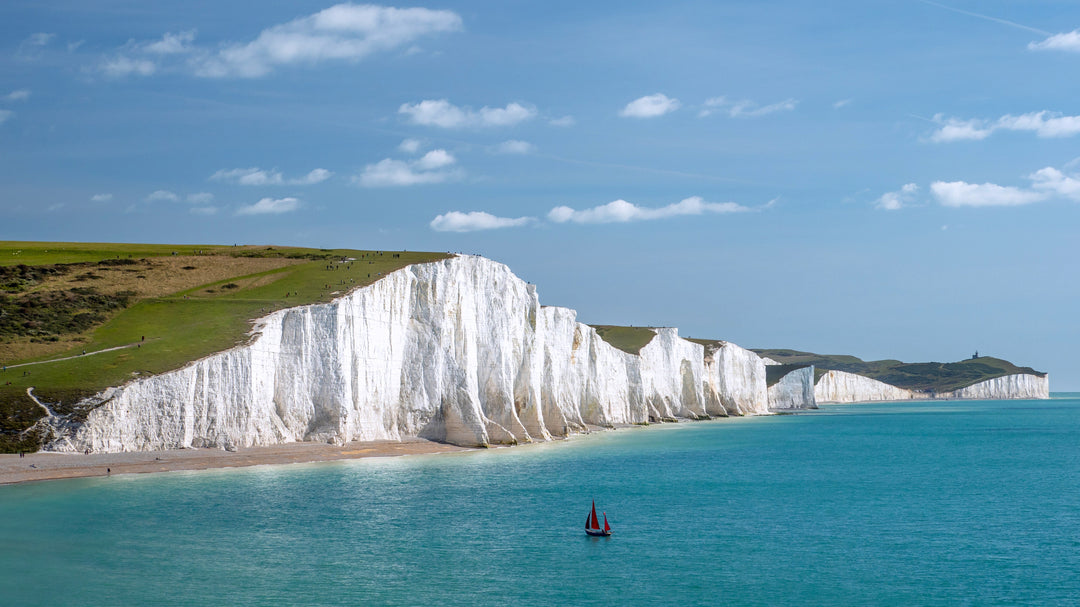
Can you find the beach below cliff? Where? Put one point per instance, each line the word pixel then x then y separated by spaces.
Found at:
pixel 54 466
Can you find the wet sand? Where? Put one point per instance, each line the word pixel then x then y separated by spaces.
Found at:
pixel 52 466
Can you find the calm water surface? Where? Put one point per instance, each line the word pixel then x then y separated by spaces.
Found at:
pixel 972 503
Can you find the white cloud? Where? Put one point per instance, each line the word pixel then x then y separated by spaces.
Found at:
pixel 442 113
pixel 1053 181
pixel 143 58
pixel 963 194
pixel 204 210
pixel 425 170
pixel 1044 124
pixel 564 121
pixel 650 106
pixel 955 129
pixel 315 176
pixel 621 211
pixel 259 177
pixel 891 201
pixel 162 196
pixel 435 159
pixel 1046 183
pixel 122 65
pixel 5 115
pixel 252 176
pixel 202 198
pixel 745 108
pixel 456 221
pixel 31 48
pixel 172 44
pixel 101 197
pixel 39 39
pixel 389 172
pixel 514 146
pixel 270 206
pixel 410 146
pixel 752 110
pixel 344 32
pixel 1069 41
pixel 19 95
pixel 841 103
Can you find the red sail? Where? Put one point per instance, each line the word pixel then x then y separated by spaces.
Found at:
pixel 606 526
pixel 593 523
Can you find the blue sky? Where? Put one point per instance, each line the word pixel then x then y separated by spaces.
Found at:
pixel 893 179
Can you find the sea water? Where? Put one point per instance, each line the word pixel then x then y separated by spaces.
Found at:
pixel 943 503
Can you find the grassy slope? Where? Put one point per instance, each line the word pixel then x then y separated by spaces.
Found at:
pixel 774 373
pixel 627 339
pixel 710 344
pixel 937 377
pixel 180 327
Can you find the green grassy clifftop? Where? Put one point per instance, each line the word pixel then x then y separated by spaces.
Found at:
pixel 628 339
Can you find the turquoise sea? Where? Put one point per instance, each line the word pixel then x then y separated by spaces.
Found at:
pixel 954 503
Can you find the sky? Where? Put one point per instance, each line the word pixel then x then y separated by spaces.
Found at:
pixel 889 179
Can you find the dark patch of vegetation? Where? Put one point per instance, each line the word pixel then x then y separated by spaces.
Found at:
pixel 57 313
pixel 18 414
pixel 231 285
pixel 15 279
pixel 117 262
pixel 188 268
pixel 271 252
pixel 932 377
pixel 628 339
pixel 28 441
pixel 774 373
pixel 65 402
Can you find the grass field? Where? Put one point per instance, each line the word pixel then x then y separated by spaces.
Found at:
pixel 628 339
pixel 194 300
pixel 774 373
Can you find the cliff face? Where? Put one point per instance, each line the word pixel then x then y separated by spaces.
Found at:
pixel 794 391
pixel 734 381
pixel 1010 386
pixel 457 351
pixel 841 387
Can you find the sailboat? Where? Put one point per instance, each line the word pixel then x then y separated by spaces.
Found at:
pixel 592 525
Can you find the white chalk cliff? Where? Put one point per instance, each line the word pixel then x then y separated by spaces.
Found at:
pixel 734 381
pixel 795 390
pixel 841 387
pixel 458 351
pixel 1020 385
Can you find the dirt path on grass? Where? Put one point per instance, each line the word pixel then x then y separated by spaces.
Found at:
pixel 84 355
